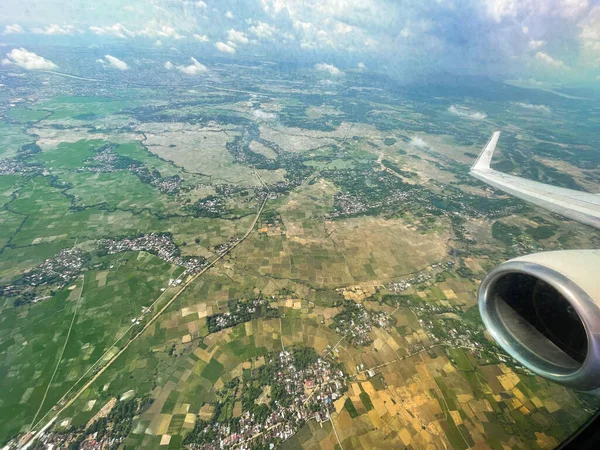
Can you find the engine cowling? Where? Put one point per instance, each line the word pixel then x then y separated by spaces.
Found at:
pixel 544 310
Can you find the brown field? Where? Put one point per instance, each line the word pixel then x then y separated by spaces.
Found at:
pixel 203 151
pixel 339 253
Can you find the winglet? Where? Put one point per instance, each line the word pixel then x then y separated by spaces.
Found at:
pixel 485 158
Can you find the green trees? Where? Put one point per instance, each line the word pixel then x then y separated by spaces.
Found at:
pixel 280 396
pixel 303 357
pixel 203 433
pixel 241 311
pixel 113 428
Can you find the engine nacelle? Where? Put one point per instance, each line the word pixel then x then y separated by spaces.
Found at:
pixel 544 310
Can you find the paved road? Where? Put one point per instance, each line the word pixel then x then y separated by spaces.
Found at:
pixel 25 445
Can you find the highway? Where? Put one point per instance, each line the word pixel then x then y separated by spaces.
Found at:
pixel 28 439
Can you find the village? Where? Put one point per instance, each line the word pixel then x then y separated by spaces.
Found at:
pixel 56 273
pixel 14 167
pixel 161 245
pixel 63 268
pixel 107 161
pixel 355 322
pixel 349 205
pixel 241 311
pixel 295 385
pixel 419 277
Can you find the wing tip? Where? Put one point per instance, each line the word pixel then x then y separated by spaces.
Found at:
pixel 484 159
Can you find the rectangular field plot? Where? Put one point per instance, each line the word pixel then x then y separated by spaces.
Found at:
pixel 32 337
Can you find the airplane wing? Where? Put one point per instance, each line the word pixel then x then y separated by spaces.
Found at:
pixel 582 207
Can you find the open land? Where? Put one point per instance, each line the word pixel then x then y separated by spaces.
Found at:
pixel 164 258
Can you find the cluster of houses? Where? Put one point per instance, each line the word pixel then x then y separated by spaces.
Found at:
pixel 418 277
pixel 61 269
pixel 356 323
pixel 448 332
pixel 241 311
pixel 13 166
pixel 168 185
pixel 57 441
pixel 161 245
pixel 66 265
pixel 224 247
pixel 312 392
pixel 106 160
pixel 349 204
pixel 53 273
pixel 210 206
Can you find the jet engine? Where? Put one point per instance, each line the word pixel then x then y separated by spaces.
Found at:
pixel 544 310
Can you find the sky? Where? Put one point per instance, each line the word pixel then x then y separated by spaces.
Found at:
pixel 555 40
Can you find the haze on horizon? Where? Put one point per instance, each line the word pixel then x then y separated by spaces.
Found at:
pixel 540 41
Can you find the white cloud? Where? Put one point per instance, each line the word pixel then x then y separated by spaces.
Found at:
pixel 28 60
pixel 263 30
pixel 117 30
pixel 169 65
pixel 288 37
pixel 341 25
pixel 56 30
pixel 263 115
pixel 330 68
pixel 116 62
pixel 223 47
pixel 418 142
pixel 156 29
pixel 467 113
pixel 405 36
pixel 343 28
pixel 573 8
pixel 499 9
pixel 548 60
pixel 237 37
pixel 303 26
pixel 590 35
pixel 535 45
pixel 541 108
pixel 193 69
pixel 152 29
pixel 361 65
pixel 158 43
pixel 568 9
pixel 201 38
pixel 273 7
pixel 13 29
